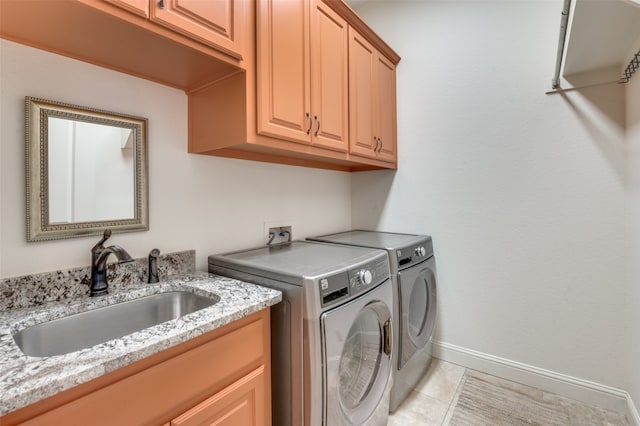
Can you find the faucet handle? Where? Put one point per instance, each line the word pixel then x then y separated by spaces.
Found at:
pixel 153 266
pixel 99 247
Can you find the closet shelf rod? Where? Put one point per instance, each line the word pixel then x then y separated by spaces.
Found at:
pixel 564 20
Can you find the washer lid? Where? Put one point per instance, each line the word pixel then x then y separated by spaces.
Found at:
pixel 297 261
pixel 385 240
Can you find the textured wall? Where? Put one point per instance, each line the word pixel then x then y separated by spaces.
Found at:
pixel 196 202
pixel 632 294
pixel 522 192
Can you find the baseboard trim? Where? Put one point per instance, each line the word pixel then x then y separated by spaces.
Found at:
pixel 585 391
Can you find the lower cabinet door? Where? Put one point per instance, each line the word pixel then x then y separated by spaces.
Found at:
pixel 241 403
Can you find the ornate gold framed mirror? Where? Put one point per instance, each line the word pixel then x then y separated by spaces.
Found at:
pixel 87 170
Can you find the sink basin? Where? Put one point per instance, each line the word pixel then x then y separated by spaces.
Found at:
pixel 83 330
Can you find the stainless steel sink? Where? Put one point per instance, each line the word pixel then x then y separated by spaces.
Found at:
pixel 83 330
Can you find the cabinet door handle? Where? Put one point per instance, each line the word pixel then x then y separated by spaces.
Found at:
pixel 380 147
pixel 375 148
pixel 318 128
pixel 310 123
pixel 161 4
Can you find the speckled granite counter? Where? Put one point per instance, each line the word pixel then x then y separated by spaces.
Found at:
pixel 25 380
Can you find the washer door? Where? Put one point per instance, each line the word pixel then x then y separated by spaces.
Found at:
pixel 417 308
pixel 358 349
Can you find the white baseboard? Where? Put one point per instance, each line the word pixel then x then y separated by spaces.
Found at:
pixel 585 391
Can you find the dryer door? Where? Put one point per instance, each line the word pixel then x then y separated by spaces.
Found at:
pixel 357 337
pixel 417 308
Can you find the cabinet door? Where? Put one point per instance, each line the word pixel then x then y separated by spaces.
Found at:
pixel 139 7
pixel 362 62
pixel 284 107
pixel 212 22
pixel 386 114
pixel 329 78
pixel 241 403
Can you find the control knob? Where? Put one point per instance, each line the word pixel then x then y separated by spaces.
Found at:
pixel 420 251
pixel 365 277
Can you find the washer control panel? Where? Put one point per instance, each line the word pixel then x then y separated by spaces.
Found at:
pixel 368 276
pixel 334 288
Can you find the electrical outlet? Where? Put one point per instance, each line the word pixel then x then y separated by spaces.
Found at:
pixel 279 234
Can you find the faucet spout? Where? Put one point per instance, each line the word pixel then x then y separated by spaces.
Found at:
pixel 99 256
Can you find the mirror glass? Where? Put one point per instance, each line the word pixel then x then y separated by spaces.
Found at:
pixel 86 171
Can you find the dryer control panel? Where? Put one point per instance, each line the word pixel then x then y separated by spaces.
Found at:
pixel 346 285
pixel 410 255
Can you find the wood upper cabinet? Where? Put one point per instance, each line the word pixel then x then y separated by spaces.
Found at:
pixel 296 103
pixel 372 101
pixel 329 77
pixel 215 23
pixel 300 82
pixel 139 7
pixel 302 73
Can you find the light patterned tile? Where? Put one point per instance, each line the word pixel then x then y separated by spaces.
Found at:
pixel 583 414
pixel 529 391
pixel 441 380
pixel 452 406
pixel 419 410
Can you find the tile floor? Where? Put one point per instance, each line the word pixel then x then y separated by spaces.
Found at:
pixel 434 399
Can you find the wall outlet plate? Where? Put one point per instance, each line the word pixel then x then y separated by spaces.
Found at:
pixel 279 235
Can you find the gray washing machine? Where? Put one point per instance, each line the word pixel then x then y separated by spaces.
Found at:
pixel 413 272
pixel 331 336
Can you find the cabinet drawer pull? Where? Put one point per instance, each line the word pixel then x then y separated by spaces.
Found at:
pixel 318 128
pixel 161 4
pixel 310 123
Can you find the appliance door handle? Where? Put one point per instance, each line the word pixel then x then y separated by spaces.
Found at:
pixel 386 337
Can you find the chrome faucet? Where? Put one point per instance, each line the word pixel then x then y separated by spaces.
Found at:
pixel 99 256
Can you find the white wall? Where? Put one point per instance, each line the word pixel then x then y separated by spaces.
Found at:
pixel 633 294
pixel 522 192
pixel 205 203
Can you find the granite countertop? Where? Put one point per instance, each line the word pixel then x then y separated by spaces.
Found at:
pixel 25 380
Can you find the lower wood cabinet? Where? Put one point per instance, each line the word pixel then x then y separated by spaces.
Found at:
pixel 241 403
pixel 222 378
